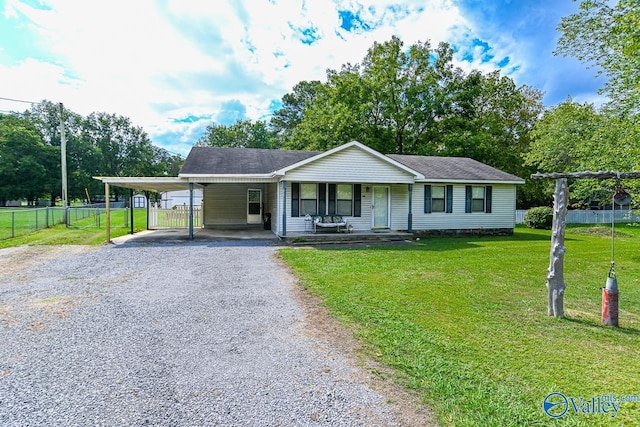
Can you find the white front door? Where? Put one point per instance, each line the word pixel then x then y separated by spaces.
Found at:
pixel 254 206
pixel 380 207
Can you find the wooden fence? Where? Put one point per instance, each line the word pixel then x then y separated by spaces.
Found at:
pixel 176 217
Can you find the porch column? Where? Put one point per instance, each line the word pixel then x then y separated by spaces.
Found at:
pixel 191 211
pixel 146 197
pixel 410 216
pixel 284 208
pixel 131 207
pixel 108 211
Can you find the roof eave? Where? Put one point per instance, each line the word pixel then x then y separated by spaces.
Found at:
pixel 472 181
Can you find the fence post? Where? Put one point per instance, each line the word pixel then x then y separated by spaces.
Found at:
pixel 13 224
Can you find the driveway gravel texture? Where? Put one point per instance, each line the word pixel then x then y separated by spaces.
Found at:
pixel 165 334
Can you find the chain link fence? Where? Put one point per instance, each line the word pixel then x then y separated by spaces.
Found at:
pixel 20 221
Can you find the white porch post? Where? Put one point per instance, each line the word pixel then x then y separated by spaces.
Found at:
pixel 108 211
pixel 191 211
pixel 284 208
pixel 410 216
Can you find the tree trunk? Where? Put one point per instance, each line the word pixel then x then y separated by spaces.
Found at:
pixel 555 278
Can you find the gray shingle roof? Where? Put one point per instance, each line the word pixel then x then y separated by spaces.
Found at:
pixel 218 160
pixel 455 168
pixel 222 161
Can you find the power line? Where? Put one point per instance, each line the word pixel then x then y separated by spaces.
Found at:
pixel 18 100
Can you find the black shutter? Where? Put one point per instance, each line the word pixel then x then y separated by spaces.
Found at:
pixel 449 199
pixel 357 200
pixel 488 196
pixel 468 199
pixel 427 199
pixel 332 199
pixel 295 199
pixel 322 198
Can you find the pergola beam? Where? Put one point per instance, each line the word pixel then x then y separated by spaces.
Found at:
pixel 555 277
pixel 587 175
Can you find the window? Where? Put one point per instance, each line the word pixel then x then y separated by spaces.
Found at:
pixel 326 199
pixel 308 199
pixel 438 198
pixel 478 198
pixel 345 199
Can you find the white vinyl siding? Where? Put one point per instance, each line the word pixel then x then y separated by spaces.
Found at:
pixel 226 204
pixel 502 215
pixel 349 165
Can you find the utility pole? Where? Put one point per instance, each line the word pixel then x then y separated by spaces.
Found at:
pixel 63 159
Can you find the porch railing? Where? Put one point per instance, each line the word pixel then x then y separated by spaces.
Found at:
pixel 176 217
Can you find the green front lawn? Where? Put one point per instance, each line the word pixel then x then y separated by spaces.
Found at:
pixel 463 321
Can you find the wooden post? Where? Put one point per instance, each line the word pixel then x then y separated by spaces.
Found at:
pixel 108 211
pixel 131 197
pixel 555 278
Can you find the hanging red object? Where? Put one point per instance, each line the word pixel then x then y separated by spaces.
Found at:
pixel 610 300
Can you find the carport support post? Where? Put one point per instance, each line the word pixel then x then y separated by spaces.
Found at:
pixel 191 211
pixel 108 211
pixel 131 208
pixel 410 216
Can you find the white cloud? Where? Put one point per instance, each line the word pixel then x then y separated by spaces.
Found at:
pixel 158 62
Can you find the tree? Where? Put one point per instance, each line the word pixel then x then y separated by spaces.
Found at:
pixel 573 137
pixel 607 34
pixel 242 134
pixel 24 160
pixel 414 101
pixel 558 135
pixel 121 149
pixel 45 116
pixel 288 117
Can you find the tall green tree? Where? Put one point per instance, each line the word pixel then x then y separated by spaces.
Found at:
pixel 242 134
pixel 413 100
pixel 45 116
pixel 284 120
pixel 390 102
pixel 121 149
pixel 24 160
pixel 606 34
pixel 574 137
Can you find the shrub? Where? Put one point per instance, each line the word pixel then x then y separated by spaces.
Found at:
pixel 540 217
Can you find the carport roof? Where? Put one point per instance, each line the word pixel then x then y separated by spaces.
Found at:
pixel 153 184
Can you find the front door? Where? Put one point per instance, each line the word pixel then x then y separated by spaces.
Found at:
pixel 380 207
pixel 254 206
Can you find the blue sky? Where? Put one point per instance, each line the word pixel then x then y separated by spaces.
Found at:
pixel 175 66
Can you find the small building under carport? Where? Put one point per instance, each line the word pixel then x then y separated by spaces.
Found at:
pixel 147 184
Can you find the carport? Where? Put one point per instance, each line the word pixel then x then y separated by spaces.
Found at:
pixel 150 184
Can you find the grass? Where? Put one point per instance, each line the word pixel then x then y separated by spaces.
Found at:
pixel 463 321
pixel 83 232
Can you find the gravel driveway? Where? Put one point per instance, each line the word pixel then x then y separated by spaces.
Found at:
pixel 189 334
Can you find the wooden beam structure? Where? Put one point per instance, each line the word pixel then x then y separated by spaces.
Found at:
pixel 555 276
pixel 587 175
